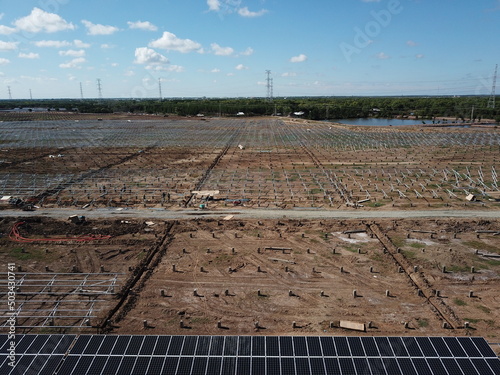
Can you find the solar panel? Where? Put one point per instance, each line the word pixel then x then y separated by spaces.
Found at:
pixel 245 346
pixel 134 345
pixel 272 346
pixel 317 366
pixel 82 365
pixel 245 355
pixel 314 347
pixel 107 345
pixel 228 365
pixel 148 346
pixel 94 344
pixel 51 365
pixel 217 345
pixel 97 366
pixel 356 347
pixel 483 347
pixel 258 366
pixel 328 347
pixel 199 366
pixel 189 345
pixel 243 366
pixel 231 346
pixel 273 365
pixel 299 346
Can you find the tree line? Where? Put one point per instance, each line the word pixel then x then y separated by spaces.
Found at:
pixel 314 108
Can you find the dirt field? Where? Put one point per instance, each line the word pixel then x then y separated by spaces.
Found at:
pixel 405 276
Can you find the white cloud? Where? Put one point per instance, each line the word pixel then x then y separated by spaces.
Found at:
pixel 6 30
pixel 73 64
pixel 4 61
pixel 1 15
pixel 299 58
pixel 97 29
pixel 107 46
pixel 419 56
pixel 52 43
pixel 382 56
pixel 145 55
pixel 129 73
pixel 230 74
pixel 72 53
pixel 171 42
pixel 215 70
pixel 244 12
pixel 249 51
pixel 221 51
pixel 289 74
pixel 213 5
pixel 370 1
pixel 41 21
pixel 8 46
pixel 148 26
pixel 411 43
pixel 241 67
pixel 166 68
pixel 30 55
pixel 79 44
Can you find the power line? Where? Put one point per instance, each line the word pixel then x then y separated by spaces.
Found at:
pixel 491 101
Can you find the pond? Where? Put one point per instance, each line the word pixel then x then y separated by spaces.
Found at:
pixel 371 121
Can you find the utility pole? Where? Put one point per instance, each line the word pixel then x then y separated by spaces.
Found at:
pixel 81 91
pixel 491 101
pixel 159 88
pixel 31 96
pixel 99 88
pixel 10 93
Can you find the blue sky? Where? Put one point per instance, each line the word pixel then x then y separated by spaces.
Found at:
pixel 222 48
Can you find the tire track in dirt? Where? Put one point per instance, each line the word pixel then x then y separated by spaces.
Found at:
pixel 130 292
pixel 214 163
pixel 64 185
pixel 418 280
pixel 32 159
pixel 339 187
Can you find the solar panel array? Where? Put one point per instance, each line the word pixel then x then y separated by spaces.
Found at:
pixel 260 355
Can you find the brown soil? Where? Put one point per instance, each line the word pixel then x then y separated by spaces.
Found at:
pixel 284 165
pixel 307 259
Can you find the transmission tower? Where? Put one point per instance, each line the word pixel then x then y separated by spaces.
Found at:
pixel 81 91
pixel 269 86
pixel 491 101
pixel 31 96
pixel 99 88
pixel 10 93
pixel 159 88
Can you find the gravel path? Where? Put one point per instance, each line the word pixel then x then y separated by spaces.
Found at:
pixel 162 214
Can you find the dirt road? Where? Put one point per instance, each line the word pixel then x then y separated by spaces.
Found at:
pixel 162 214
